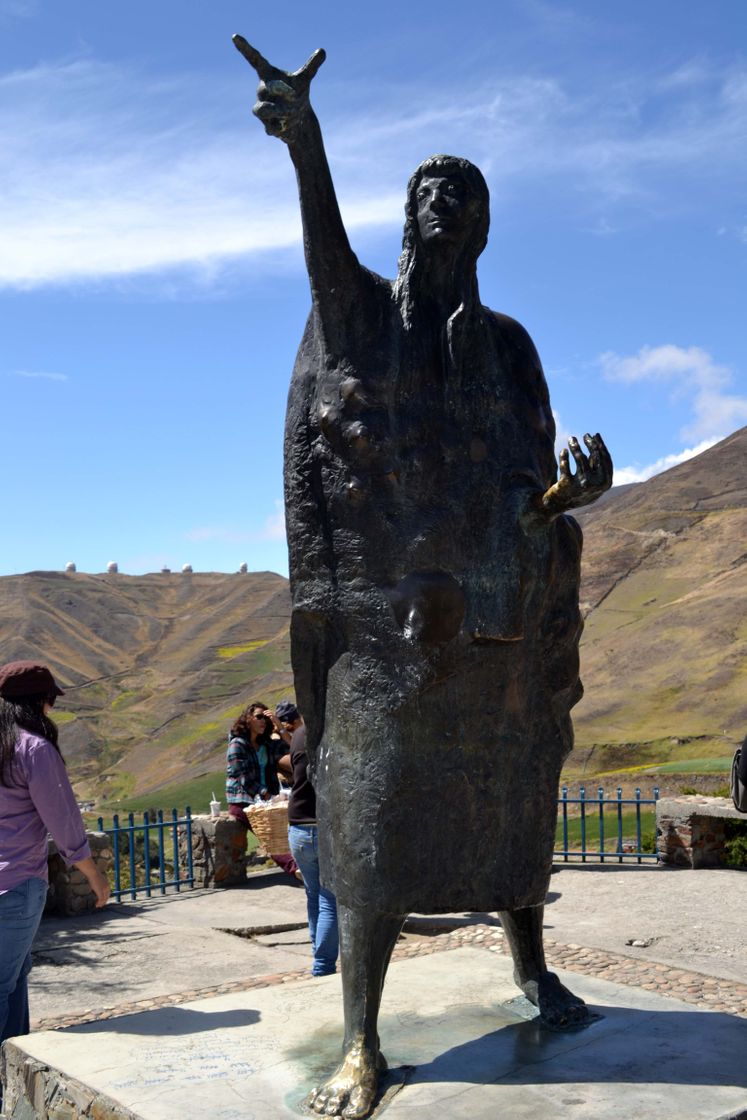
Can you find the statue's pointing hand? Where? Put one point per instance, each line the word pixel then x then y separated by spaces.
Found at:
pixel 283 96
pixel 593 476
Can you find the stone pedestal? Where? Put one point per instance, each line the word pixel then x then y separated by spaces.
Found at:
pixel 690 831
pixel 460 1045
pixel 69 892
pixel 218 851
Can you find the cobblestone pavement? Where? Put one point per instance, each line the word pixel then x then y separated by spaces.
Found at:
pixel 706 992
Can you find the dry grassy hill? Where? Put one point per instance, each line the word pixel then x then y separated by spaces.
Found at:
pixel 156 666
pixel 665 595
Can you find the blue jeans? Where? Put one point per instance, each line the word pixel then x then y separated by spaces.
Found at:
pixel 20 913
pixel 320 903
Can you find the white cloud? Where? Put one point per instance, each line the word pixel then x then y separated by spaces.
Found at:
pixel 274 527
pixel 562 434
pixel 33 373
pixel 18 9
pixel 695 376
pixel 220 534
pixel 640 474
pixel 110 173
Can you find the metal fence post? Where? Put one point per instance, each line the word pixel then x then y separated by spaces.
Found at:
pixel 619 824
pixel 146 852
pixel 131 840
pixel 638 824
pixel 565 823
pixel 115 848
pixel 175 840
pixel 161 853
pixel 190 857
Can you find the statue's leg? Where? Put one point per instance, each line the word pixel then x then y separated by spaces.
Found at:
pixel 366 943
pixel 558 1007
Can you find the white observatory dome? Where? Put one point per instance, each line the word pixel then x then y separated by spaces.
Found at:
pixel 112 567
pixel 186 569
pixel 70 566
pixel 243 567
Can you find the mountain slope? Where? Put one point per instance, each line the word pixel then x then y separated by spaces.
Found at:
pixel 154 667
pixel 665 596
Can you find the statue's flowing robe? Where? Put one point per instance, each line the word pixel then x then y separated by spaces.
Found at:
pixel 435 620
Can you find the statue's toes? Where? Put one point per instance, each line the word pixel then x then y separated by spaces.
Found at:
pixel 360 1102
pixel 559 1008
pixel 327 1100
pixel 317 1099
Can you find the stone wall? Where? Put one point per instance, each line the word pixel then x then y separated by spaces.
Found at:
pixel 219 859
pixel 218 851
pixel 690 831
pixel 33 1091
pixel 69 892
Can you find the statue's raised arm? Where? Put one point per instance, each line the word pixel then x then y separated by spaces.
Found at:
pixel 285 110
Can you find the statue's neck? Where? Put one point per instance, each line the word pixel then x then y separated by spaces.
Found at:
pixel 446 285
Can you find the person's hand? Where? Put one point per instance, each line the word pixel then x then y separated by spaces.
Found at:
pixel 593 476
pixel 100 886
pixel 283 104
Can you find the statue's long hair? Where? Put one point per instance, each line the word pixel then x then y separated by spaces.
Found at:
pixel 407 286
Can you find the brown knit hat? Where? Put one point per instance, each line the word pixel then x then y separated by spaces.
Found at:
pixel 27 678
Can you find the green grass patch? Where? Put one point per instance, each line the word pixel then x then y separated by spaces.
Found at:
pixel 119 784
pixel 690 766
pixel 197 793
pixel 735 847
pixel 125 699
pixel 648 825
pixel 227 652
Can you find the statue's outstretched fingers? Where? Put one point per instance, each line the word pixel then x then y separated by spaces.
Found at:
pixel 600 459
pixel 274 120
pixel 264 69
pixel 578 455
pixel 565 469
pixel 276 88
pixel 310 66
pixel 604 456
pixel 593 449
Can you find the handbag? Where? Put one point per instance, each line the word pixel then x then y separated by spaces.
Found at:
pixel 738 787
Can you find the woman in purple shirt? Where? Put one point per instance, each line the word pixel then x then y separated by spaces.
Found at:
pixel 35 799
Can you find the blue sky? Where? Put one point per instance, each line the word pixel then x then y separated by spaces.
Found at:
pixel 152 289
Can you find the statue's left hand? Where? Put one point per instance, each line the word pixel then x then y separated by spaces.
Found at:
pixel 283 96
pixel 593 476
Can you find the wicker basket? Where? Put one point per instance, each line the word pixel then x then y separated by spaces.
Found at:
pixel 270 826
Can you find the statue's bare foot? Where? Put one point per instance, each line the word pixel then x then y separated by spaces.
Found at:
pixel 351 1090
pixel 558 1007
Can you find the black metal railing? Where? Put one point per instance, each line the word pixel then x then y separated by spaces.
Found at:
pixel 148 857
pixel 606 829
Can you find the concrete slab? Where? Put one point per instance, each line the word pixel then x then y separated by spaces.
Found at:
pixel 453 1016
pixel 165 945
pixel 690 919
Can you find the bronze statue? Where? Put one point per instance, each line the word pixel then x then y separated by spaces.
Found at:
pixel 434 576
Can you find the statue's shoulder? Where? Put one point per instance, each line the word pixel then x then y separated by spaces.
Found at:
pixel 511 332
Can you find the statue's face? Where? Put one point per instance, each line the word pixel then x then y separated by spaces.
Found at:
pixel 447 209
